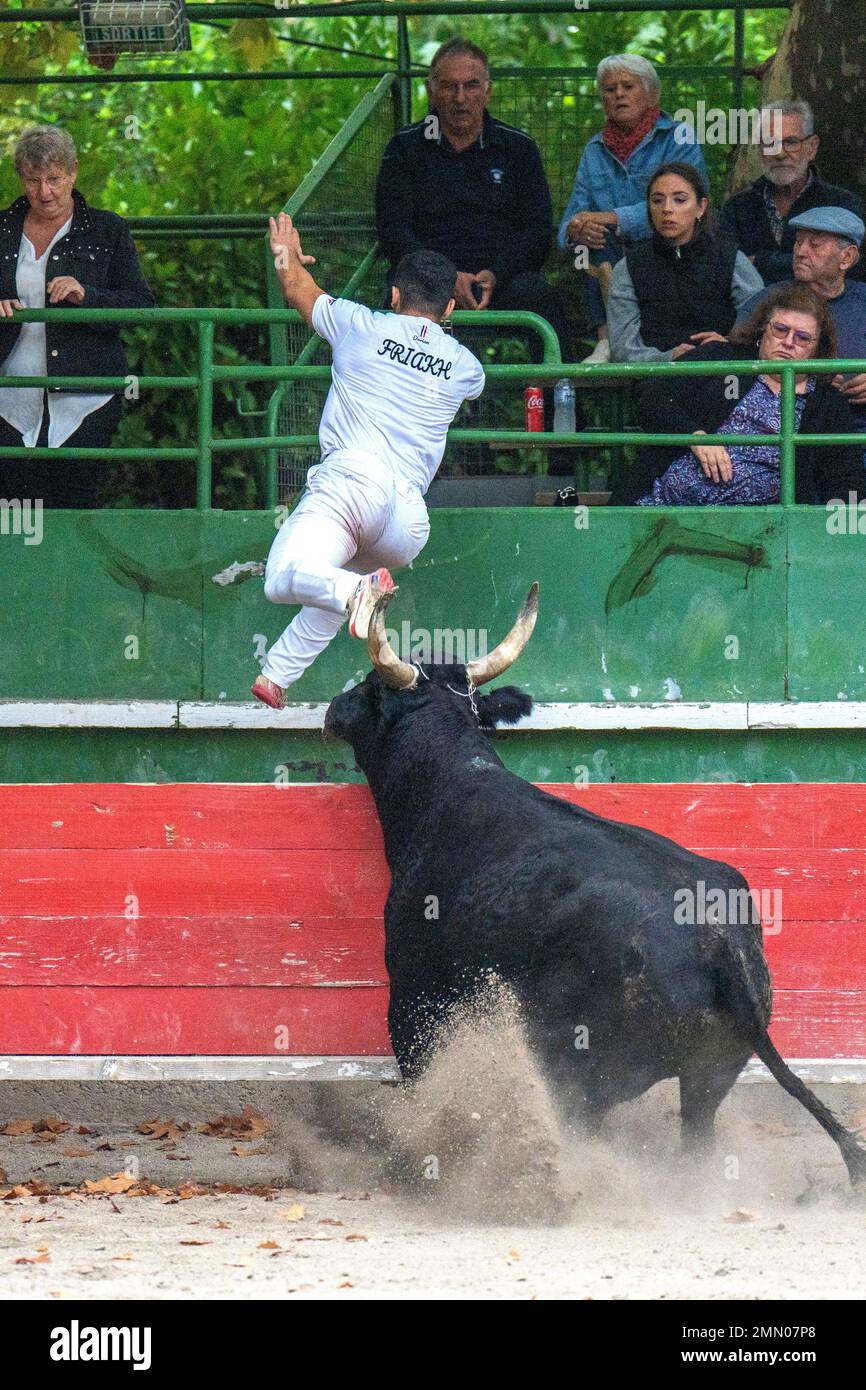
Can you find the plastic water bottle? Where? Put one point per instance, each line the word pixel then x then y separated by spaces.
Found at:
pixel 564 407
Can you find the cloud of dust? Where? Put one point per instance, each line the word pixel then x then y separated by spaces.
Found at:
pixel 479 1136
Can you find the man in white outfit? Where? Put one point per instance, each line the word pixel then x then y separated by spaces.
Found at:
pixel 397 381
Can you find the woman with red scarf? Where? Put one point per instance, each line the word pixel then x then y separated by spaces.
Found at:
pixel 606 212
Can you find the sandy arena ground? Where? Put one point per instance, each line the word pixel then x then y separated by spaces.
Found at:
pixel 467 1189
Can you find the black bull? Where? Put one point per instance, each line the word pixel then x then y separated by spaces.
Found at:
pixel 577 914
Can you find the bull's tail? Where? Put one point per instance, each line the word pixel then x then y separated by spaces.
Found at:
pixel 850 1147
pixel 742 996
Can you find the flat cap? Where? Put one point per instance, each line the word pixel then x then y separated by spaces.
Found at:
pixel 839 221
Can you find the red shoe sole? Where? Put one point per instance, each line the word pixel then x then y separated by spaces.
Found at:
pixel 267 698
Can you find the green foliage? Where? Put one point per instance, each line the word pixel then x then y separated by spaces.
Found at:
pixel 229 146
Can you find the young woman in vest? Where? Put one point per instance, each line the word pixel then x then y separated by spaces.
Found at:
pixel 683 286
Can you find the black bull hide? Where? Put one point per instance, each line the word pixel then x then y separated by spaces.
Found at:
pixel 576 913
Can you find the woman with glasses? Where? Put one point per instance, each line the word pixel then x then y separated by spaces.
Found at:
pixel 685 284
pixel 791 325
pixel 55 250
pixel 606 212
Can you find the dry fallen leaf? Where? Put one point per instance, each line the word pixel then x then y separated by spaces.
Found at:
pixel 191 1189
pixel 249 1124
pixel 269 1245
pixel 34 1187
pixel 741 1214
pixel 356 1237
pixel 51 1122
pixel 294 1213
pixel 222 1226
pixel 346 1285
pixel 195 1242
pixel 118 1182
pixel 775 1127
pixel 41 1259
pixel 163 1129
pixel 45 1137
pixel 16 1127
pixel 329 1221
pixel 76 1153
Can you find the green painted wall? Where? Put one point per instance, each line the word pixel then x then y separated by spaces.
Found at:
pixel 161 755
pixel 734 604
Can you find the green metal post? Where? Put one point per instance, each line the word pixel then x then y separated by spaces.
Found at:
pixel 205 416
pixel 788 430
pixel 404 66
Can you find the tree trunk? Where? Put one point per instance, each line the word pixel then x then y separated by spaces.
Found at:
pixel 821 59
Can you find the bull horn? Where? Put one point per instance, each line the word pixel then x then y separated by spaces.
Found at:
pixel 397 674
pixel 487 668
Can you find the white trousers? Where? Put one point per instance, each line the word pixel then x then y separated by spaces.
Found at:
pixel 354 516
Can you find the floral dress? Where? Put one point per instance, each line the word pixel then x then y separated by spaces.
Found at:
pixel 756 466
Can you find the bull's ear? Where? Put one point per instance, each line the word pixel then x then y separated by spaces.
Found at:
pixel 504 706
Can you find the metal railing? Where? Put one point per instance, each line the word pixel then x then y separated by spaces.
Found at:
pixel 552 368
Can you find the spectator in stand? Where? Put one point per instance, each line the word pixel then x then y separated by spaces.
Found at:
pixel 473 188
pixel 759 218
pixel 684 285
pixel 55 250
pixel 607 211
pixel 826 250
pixel 791 324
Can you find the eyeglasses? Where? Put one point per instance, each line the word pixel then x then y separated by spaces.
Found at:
pixel 783 330
pixel 470 89
pixel 54 181
pixel 790 144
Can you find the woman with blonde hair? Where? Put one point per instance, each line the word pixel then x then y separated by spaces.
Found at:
pixel 56 250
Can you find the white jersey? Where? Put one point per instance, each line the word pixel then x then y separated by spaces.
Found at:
pixel 397 382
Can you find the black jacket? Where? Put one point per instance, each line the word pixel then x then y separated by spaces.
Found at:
pixel 486 208
pixel 669 406
pixel 744 219
pixel 679 287
pixel 98 251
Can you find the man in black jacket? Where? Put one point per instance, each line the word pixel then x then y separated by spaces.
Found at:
pixel 757 218
pixel 473 188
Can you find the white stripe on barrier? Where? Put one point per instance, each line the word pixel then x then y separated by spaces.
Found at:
pixel 203 1068
pixel 613 716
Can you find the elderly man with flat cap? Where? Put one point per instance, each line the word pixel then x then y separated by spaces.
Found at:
pixel 826 248
pixel 761 219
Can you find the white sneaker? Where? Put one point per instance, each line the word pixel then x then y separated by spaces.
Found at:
pixel 601 351
pixel 367 594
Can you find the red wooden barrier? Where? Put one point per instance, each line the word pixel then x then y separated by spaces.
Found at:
pixel 223 919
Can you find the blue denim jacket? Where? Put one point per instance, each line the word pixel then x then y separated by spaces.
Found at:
pixel 604 184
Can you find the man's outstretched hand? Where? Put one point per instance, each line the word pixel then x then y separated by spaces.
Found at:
pixel 286 244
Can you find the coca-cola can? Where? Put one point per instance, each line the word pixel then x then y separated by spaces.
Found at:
pixel 533 408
